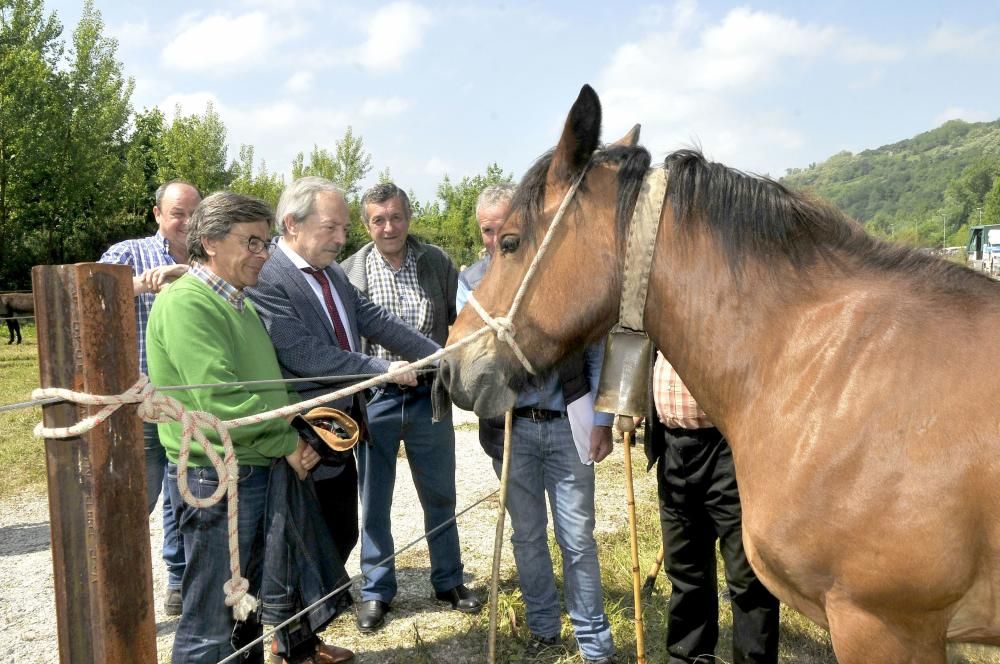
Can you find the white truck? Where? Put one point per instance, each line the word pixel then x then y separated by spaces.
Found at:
pixel 983 249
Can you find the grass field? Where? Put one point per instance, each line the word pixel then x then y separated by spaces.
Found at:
pixel 22 456
pixel 22 471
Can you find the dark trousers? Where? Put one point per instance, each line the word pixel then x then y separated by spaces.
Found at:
pixel 699 504
pixel 338 500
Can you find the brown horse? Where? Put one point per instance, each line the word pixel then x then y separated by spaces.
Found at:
pixel 870 478
pixel 12 307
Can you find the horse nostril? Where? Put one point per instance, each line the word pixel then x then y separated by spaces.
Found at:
pixel 444 373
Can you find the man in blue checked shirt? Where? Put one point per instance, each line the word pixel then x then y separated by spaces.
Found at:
pixel 156 261
pixel 555 436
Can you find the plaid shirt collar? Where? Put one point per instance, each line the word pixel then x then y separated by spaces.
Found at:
pixel 398 291
pixel 227 291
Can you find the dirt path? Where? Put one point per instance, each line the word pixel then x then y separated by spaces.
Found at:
pixel 418 628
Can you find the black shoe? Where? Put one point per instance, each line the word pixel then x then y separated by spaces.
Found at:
pixel 371 615
pixel 172 602
pixel 539 645
pixel 461 599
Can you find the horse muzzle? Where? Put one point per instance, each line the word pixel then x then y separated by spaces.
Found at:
pixel 477 382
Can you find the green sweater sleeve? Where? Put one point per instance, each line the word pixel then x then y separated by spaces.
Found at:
pixel 195 337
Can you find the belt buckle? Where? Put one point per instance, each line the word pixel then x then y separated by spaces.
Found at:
pixel 537 415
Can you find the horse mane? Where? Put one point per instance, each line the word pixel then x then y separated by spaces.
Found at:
pixel 632 162
pixel 756 217
pixel 751 216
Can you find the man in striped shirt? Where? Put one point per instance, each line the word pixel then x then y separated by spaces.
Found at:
pixel 699 504
pixel 156 261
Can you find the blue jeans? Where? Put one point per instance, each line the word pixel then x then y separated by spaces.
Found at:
pixel 430 450
pixel 544 461
pixel 156 479
pixel 206 628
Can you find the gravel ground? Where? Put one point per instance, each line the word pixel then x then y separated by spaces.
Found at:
pixel 418 629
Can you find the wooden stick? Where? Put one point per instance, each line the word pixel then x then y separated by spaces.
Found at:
pixel 654 571
pixel 640 638
pixel 498 540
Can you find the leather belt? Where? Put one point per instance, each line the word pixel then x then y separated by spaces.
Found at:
pixel 538 414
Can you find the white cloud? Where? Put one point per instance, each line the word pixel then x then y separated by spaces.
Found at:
pixel 861 51
pixel 436 167
pixel 373 107
pixel 959 113
pixel 394 31
pixel 950 38
pixel 132 35
pixel 221 44
pixel 275 129
pixel 189 104
pixel 688 83
pixel 300 81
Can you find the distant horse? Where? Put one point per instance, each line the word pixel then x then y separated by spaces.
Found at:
pixel 13 305
pixel 831 360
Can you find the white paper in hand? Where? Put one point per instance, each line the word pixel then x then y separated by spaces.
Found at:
pixel 581 422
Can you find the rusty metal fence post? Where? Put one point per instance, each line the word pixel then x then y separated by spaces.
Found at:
pixel 85 315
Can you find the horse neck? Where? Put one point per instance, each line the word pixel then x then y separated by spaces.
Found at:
pixel 718 328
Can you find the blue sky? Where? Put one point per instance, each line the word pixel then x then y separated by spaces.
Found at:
pixel 448 87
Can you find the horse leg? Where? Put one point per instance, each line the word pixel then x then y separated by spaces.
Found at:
pixel 10 330
pixel 17 330
pixel 860 637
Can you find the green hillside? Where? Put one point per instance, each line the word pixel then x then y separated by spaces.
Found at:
pixel 906 190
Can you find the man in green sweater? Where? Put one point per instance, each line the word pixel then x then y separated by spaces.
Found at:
pixel 202 330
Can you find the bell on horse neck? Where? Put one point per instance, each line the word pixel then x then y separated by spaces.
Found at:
pixel 624 385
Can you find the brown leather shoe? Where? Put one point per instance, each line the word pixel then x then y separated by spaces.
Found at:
pixel 325 654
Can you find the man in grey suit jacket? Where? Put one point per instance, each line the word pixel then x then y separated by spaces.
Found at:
pixel 303 297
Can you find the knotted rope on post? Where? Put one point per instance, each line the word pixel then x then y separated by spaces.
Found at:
pixel 157 407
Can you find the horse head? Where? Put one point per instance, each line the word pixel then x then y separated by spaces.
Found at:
pixel 551 315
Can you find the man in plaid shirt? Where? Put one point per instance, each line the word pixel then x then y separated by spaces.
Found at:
pixel 699 504
pixel 156 261
pixel 417 282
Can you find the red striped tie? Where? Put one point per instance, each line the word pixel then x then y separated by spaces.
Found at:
pixel 331 307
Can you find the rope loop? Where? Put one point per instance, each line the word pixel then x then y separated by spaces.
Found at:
pixel 504 328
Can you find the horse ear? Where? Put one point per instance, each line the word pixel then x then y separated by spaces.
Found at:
pixel 579 138
pixel 629 140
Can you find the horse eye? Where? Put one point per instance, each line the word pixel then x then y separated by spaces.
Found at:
pixel 509 244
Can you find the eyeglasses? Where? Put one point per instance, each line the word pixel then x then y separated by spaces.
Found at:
pixel 255 245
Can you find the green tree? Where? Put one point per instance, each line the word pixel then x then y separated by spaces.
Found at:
pixel 29 52
pixel 194 149
pixel 263 184
pixel 991 205
pixel 451 224
pixel 346 166
pixel 84 198
pixel 144 155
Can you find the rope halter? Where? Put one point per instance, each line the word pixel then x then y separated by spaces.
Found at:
pixel 503 326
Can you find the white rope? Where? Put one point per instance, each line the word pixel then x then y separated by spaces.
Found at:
pixel 154 406
pixel 504 329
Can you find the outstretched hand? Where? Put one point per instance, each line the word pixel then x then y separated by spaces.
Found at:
pixel 153 279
